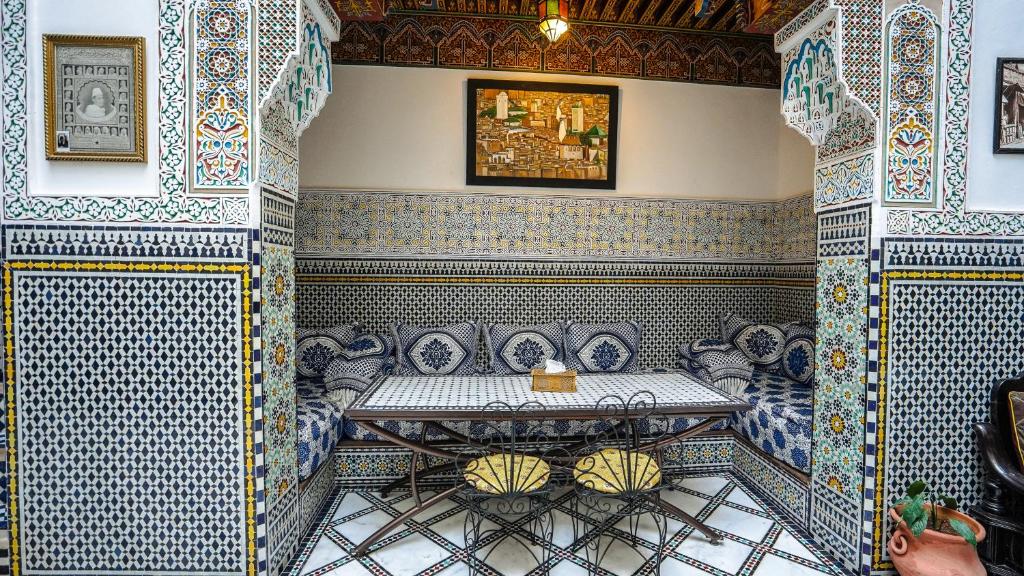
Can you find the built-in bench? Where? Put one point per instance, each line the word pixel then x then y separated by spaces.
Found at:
pixel 770 444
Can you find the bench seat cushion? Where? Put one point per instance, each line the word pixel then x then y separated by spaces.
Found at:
pixel 780 421
pixel 411 430
pixel 318 419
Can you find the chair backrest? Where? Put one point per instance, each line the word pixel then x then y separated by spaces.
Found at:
pixel 1008 416
pixel 513 446
pixel 612 458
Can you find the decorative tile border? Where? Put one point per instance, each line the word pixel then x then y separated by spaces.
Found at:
pixel 252 554
pixel 909 297
pixel 911 119
pixel 954 219
pixel 339 223
pixel 415 38
pixel 845 181
pixel 172 205
pixel 221 75
pixel 841 362
pixel 674 302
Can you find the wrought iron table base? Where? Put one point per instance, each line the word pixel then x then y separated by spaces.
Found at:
pixel 421 448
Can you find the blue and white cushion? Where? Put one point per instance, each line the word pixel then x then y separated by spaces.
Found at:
pixel 798 355
pixel 762 343
pixel 437 350
pixel 316 347
pixel 519 349
pixel 318 420
pixel 612 347
pixel 717 362
pixel 780 421
pixel 360 362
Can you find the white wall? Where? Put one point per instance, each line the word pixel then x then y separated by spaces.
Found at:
pixel 99 17
pixel 995 181
pixel 404 129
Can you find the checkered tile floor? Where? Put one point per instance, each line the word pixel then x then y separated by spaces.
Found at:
pixel 757 542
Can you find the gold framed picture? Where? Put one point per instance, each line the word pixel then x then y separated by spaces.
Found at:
pixel 94 97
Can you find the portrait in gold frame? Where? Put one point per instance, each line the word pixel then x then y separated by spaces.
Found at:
pixel 94 97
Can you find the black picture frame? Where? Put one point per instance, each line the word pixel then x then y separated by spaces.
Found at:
pixel 611 91
pixel 998 146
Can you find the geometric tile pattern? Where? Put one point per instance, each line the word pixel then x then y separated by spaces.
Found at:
pixel 840 377
pixel 912 106
pixel 954 218
pixel 140 244
pixel 674 303
pixel 284 529
pixel 794 26
pixel 757 539
pixel 861 50
pixel 854 133
pixel 337 223
pixel 172 204
pixel 278 345
pixel 221 76
pixel 937 299
pixel 165 416
pixel 429 40
pixel 279 167
pixel 278 218
pixel 278 188
pixel 844 231
pixel 276 24
pixel 778 485
pixel 314 493
pixel 844 181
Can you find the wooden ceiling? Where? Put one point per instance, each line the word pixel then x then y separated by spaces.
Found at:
pixel 720 16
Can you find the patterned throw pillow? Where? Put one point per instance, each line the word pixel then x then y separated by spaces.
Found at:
pixel 798 355
pixel 762 343
pixel 358 363
pixel 316 347
pixel 519 349
pixel 1016 400
pixel 717 362
pixel 610 347
pixel 437 350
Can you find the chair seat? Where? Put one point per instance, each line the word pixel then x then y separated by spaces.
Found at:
pixel 507 474
pixel 614 471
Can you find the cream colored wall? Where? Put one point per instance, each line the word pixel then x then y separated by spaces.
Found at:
pixel 404 129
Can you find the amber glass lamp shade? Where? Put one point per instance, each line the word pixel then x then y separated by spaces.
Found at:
pixel 554 18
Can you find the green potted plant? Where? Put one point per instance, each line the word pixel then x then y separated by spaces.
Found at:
pixel 933 538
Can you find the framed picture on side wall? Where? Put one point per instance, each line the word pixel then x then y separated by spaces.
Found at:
pixel 1009 128
pixel 94 97
pixel 541 134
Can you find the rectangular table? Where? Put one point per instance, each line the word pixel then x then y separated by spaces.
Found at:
pixel 431 399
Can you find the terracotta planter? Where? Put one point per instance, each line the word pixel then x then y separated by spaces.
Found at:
pixel 934 553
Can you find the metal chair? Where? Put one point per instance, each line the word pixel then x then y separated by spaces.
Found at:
pixel 1001 443
pixel 618 475
pixel 510 478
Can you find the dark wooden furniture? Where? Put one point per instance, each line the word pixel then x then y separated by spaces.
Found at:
pixel 1002 507
pixel 440 402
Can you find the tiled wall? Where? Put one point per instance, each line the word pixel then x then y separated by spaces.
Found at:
pixel 119 410
pixel 674 266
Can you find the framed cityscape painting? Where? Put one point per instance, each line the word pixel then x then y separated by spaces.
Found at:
pixel 541 134
pixel 94 97
pixel 1009 130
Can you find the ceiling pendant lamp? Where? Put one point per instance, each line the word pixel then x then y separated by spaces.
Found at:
pixel 554 18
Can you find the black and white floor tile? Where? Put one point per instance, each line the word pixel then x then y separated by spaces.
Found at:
pixel 758 541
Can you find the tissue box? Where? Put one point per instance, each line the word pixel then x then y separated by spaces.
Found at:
pixel 560 382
